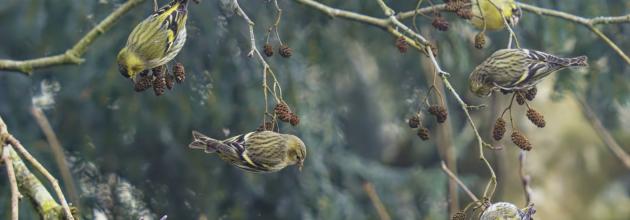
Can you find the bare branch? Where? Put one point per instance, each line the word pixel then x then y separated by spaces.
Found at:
pixel 38 166
pixel 376 201
pixel 461 184
pixel 15 194
pixel 603 133
pixel 587 22
pixel 57 151
pixel 525 179
pixel 72 55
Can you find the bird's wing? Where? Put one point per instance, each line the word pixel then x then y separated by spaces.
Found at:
pixel 155 35
pixel 269 159
pixel 238 145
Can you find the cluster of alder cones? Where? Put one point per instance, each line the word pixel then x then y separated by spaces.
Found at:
pixel 518 138
pixel 415 121
pixel 284 50
pixel 160 79
pixel 283 113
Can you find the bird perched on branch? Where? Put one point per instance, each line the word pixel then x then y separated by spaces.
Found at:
pixel 260 151
pixel 517 69
pixel 155 41
pixel 488 10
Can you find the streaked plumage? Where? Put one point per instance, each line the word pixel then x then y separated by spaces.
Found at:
pixel 261 151
pixel 517 69
pixel 492 16
pixel 156 40
pixel 507 211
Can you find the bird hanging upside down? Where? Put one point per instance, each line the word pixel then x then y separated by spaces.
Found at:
pixel 155 41
pixel 260 151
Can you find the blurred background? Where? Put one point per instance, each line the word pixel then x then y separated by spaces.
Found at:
pixel 352 89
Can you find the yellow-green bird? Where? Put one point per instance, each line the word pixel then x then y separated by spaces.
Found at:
pixel 517 69
pixel 155 41
pixel 492 16
pixel 507 211
pixel 259 152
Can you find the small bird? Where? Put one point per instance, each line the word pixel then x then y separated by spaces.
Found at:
pixel 259 152
pixel 492 16
pixel 155 41
pixel 517 69
pixel 507 211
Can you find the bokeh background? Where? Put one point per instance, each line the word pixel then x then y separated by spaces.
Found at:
pixel 351 87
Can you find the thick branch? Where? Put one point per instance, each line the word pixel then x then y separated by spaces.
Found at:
pixel 72 55
pixel 15 193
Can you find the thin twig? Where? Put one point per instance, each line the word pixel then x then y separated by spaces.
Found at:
pixel 525 179
pixel 391 24
pixel 459 182
pixel 15 193
pixel 587 22
pixel 38 166
pixel 376 201
pixel 58 153
pixel 72 55
pixel 603 133
pixel 254 51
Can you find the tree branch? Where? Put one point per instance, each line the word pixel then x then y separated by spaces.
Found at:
pixel 57 151
pixel 376 201
pixel 72 55
pixel 15 193
pixel 587 22
pixel 391 24
pixel 603 133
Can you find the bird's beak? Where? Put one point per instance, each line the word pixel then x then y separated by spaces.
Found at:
pixel 300 165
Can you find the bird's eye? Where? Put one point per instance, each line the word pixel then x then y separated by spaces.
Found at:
pixel 123 71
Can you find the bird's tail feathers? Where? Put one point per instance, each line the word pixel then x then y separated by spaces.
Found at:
pixel 203 142
pixel 578 61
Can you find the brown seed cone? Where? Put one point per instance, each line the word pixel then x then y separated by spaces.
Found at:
pixel 440 23
pixel 536 118
pixel 285 51
pixel 423 133
pixel 170 81
pixel 158 70
pixel 439 112
pixel 520 99
pixel 268 50
pixel 282 111
pixel 464 13
pixel 499 129
pixel 414 121
pixel 267 126
pixel 159 84
pixel 454 5
pixel 480 40
pixel 531 94
pixel 521 141
pixel 402 44
pixel 143 83
pixel 460 215
pixel 179 72
pixel 294 120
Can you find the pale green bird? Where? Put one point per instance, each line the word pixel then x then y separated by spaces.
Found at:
pixel 260 151
pixel 155 41
pixel 492 16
